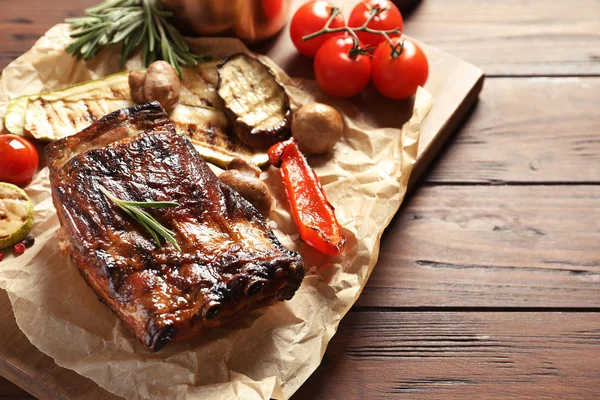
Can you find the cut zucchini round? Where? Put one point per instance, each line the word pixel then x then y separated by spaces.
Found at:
pixel 16 215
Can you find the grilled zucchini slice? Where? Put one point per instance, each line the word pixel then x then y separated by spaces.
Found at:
pixel 114 87
pixel 16 215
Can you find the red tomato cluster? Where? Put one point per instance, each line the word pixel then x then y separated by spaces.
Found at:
pixel 397 67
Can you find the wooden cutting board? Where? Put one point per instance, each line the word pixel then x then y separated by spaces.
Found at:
pixel 454 85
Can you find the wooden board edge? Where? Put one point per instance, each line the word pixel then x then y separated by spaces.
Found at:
pixel 20 377
pixel 432 150
pixel 26 382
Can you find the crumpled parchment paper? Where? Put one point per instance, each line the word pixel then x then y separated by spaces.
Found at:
pixel 270 352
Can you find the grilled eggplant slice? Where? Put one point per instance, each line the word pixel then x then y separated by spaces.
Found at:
pixel 60 113
pixel 254 101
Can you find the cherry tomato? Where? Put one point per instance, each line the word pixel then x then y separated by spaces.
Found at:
pixel 18 160
pixel 310 18
pixel 337 72
pixel 398 77
pixel 386 20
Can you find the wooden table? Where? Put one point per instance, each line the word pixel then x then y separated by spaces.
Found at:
pixel 488 284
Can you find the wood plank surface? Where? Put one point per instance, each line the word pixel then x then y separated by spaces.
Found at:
pixel 460 355
pixel 527 130
pixel 23 22
pixel 513 37
pixel 491 246
pixel 473 251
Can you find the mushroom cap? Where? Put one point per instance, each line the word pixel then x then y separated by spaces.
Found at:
pixel 250 188
pixel 244 166
pixel 317 128
pixel 137 80
pixel 162 84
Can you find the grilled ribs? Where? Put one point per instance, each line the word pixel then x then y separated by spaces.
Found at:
pixel 230 262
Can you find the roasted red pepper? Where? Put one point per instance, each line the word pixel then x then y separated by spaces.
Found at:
pixel 314 216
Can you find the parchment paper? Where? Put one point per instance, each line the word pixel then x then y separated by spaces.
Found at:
pixel 270 352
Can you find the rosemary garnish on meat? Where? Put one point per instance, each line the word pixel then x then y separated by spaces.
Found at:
pixel 131 23
pixel 135 210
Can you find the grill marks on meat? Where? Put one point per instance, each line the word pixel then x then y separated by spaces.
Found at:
pixel 230 262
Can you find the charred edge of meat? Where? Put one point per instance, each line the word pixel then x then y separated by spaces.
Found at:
pixel 146 117
pixel 274 99
pixel 161 338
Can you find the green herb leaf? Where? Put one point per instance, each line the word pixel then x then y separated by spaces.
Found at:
pixel 147 221
pixel 133 24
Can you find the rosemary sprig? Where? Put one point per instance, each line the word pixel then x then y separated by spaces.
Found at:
pixel 147 221
pixel 133 24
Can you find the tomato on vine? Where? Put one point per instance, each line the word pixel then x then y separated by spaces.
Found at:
pixel 341 67
pixel 387 18
pixel 399 69
pixel 312 17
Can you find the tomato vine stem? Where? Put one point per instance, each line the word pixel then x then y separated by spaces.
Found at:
pixel 356 49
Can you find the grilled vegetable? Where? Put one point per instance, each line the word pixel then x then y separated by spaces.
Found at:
pixel 206 127
pixel 22 113
pixel 313 214
pixel 16 215
pixel 255 102
pixel 56 114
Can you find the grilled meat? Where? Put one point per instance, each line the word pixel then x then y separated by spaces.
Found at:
pixel 230 261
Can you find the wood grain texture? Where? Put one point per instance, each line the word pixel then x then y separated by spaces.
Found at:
pixel 459 355
pixel 513 37
pixel 454 84
pixel 8 391
pixel 23 22
pixel 527 130
pixel 491 246
pixel 457 244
